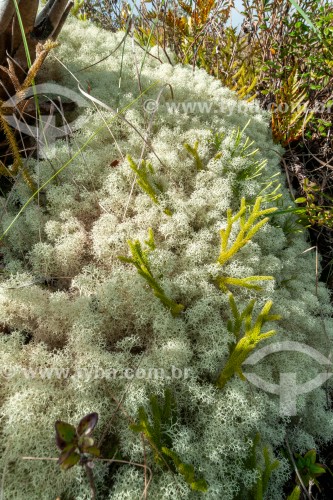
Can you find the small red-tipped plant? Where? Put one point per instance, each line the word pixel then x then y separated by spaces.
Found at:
pixel 76 444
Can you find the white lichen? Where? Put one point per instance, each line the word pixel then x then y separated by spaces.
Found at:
pixel 86 312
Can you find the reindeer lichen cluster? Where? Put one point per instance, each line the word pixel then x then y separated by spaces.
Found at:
pixel 81 331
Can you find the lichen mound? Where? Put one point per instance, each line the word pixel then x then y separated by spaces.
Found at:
pixel 74 316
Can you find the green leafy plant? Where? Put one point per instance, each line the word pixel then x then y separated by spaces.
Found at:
pixel 216 140
pixel 244 86
pixel 193 151
pixel 240 149
pixel 140 259
pixel 265 467
pixel 289 116
pixel 78 10
pixel 23 50
pixel 144 175
pixel 78 447
pixel 313 209
pixel 316 207
pixel 254 167
pixel 248 228
pixel 295 494
pixel 247 336
pixel 76 443
pixel 154 427
pixel 271 191
pixel 247 282
pixel 308 468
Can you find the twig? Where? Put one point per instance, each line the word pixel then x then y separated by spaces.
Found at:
pixel 128 28
pixel 90 476
pixel 309 496
pixel 109 460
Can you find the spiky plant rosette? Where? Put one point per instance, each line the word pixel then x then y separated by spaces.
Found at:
pixel 159 190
